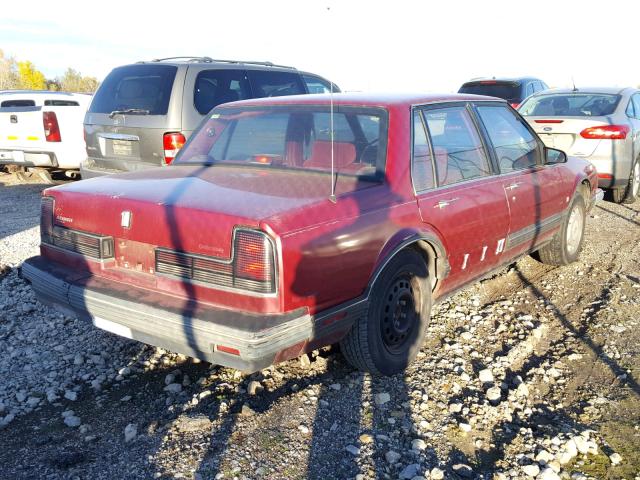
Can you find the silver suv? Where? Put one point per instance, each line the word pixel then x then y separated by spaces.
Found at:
pixel 143 113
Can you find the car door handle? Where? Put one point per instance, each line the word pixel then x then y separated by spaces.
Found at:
pixel 445 203
pixel 513 186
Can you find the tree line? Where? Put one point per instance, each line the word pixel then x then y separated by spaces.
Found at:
pixel 16 74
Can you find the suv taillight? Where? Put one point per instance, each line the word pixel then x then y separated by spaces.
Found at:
pixel 173 142
pixel 606 132
pixel 51 127
pixel 46 218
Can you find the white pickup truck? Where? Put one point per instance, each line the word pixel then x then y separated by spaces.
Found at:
pixel 43 129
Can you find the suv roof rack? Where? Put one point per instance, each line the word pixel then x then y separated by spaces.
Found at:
pixel 217 60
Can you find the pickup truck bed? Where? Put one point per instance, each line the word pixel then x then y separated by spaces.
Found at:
pixel 42 129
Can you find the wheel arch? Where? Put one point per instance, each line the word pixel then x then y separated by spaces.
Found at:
pixel 427 244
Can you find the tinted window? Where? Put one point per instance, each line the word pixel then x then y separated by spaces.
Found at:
pixel 317 85
pixel 142 87
pixel 571 105
pixel 529 90
pixel 508 91
pixel 630 109
pixel 18 103
pixel 275 84
pixel 636 105
pixel 214 87
pixel 292 138
pixel 458 150
pixel 61 103
pixel 515 146
pixel 422 166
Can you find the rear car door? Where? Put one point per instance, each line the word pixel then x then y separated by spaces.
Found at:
pixel 458 192
pixel 536 193
pixel 129 115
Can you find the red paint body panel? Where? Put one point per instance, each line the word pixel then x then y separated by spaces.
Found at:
pixel 326 253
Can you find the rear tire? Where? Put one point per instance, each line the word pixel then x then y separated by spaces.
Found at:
pixel 388 338
pixel 632 191
pixel 566 244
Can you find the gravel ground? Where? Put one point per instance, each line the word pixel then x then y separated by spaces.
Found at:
pixel 530 374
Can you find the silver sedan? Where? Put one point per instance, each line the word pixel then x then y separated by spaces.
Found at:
pixel 601 125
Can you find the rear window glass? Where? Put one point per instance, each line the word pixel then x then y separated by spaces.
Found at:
pixel 144 89
pixel 61 103
pixel 18 103
pixel 275 84
pixel 294 138
pixel 571 105
pixel 507 91
pixel 214 87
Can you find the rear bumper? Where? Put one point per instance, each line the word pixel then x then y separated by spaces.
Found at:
pixel 186 327
pixel 28 158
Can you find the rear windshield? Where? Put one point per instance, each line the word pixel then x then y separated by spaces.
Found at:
pixel 18 103
pixel 141 89
pixel 61 103
pixel 294 138
pixel 507 91
pixel 571 105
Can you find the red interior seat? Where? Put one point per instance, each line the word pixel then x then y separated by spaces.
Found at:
pixel 344 154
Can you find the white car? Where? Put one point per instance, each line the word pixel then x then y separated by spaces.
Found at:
pixel 43 129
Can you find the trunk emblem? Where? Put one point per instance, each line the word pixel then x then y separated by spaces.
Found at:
pixel 547 129
pixel 125 219
pixel 13 119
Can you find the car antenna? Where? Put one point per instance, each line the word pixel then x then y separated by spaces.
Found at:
pixel 332 197
pixel 574 84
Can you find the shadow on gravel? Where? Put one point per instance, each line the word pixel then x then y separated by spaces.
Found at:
pixel 582 333
pixel 620 216
pixel 20 207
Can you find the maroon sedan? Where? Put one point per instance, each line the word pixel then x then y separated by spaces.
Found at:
pixel 287 224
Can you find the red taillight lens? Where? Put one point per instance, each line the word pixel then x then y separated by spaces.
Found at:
pixel 173 142
pixel 515 105
pixel 51 127
pixel 606 132
pixel 549 121
pixel 253 258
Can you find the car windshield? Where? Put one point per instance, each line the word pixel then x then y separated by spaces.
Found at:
pixel 293 138
pixel 507 91
pixel 570 105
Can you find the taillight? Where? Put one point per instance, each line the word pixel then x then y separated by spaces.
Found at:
pixel 606 132
pixel 555 120
pixel 253 260
pixel 46 218
pixel 515 105
pixel 51 127
pixel 173 142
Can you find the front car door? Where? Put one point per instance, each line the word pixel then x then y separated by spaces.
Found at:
pixel 458 193
pixel 536 193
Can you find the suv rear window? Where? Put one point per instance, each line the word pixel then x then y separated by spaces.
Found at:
pixel 571 105
pixel 214 87
pixel 507 91
pixel 292 138
pixel 146 88
pixel 18 103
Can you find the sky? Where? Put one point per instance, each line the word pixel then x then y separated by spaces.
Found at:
pixel 391 46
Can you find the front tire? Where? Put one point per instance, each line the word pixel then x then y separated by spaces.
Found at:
pixel 388 338
pixel 566 244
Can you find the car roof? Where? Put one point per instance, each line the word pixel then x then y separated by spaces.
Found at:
pixel 501 79
pixel 366 99
pixel 604 90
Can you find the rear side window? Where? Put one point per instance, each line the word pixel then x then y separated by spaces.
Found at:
pixel 275 84
pixel 317 85
pixel 515 146
pixel 214 87
pixel 18 103
pixel 144 88
pixel 421 166
pixel 507 91
pixel 61 103
pixel 458 150
pixel 571 105
pixel 636 105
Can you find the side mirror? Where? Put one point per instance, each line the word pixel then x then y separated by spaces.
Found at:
pixel 553 156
